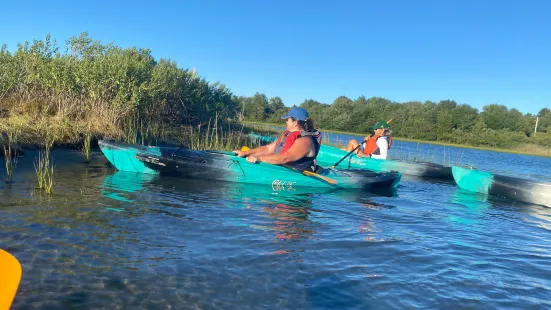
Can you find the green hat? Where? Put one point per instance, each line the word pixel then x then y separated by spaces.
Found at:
pixel 380 124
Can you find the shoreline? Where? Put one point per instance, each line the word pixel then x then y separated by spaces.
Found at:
pixel 482 148
pixel 73 141
pixel 464 146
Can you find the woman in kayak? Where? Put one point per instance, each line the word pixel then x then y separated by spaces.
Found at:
pixel 298 146
pixel 377 145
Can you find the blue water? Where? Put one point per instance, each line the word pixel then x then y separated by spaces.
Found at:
pixel 115 240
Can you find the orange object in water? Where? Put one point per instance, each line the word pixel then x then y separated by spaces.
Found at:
pixel 10 275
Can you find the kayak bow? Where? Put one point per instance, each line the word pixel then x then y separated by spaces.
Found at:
pixel 500 185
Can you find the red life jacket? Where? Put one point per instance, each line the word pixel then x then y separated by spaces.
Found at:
pixel 371 146
pixel 288 138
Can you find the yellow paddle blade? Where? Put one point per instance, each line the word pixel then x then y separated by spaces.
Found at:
pixel 245 148
pixel 388 122
pixel 329 180
pixel 10 269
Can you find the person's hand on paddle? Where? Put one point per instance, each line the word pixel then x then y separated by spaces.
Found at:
pixel 240 153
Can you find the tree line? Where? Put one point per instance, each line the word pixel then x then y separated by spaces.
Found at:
pixel 445 121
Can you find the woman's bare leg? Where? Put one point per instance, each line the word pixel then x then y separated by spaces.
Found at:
pixel 352 145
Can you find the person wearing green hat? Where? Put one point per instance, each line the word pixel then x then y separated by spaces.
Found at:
pixel 374 146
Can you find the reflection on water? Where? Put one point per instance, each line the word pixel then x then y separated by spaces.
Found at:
pixel 121 185
pixel 110 240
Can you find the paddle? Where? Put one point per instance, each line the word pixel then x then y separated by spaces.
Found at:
pixel 10 269
pixel 307 173
pixel 357 147
pixel 319 176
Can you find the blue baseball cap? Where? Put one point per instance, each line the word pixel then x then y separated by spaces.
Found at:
pixel 297 113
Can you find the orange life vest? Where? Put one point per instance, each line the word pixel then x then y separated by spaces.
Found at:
pixel 371 146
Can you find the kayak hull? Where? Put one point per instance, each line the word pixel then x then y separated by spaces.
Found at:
pixel 329 155
pixel 503 186
pixel 225 166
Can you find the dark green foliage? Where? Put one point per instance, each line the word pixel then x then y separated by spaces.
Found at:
pixel 446 121
pixel 108 86
pixel 544 123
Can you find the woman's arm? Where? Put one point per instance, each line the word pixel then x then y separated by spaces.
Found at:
pixel 259 151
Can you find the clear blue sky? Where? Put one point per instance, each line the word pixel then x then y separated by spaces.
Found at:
pixel 475 52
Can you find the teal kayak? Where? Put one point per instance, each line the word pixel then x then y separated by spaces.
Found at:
pixel 329 155
pixel 226 166
pixel 504 186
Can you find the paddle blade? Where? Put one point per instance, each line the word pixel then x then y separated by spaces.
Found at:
pixel 326 179
pixel 10 269
pixel 245 148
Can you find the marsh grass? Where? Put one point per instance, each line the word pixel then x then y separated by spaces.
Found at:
pixel 215 136
pixel 43 165
pixel 44 170
pixel 10 153
pixel 87 146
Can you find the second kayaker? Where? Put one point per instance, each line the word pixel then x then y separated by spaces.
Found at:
pixel 298 146
pixel 378 143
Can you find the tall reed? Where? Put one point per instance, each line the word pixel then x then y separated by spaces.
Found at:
pixel 86 146
pixel 10 154
pixel 44 167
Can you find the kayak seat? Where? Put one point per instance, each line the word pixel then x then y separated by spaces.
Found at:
pixel 319 169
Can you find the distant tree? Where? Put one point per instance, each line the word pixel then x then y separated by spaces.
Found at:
pixel 361 100
pixel 495 116
pixel 444 123
pixel 544 119
pixel 309 103
pixel 464 116
pixel 447 104
pixel 479 126
pixel 276 104
pixel 258 107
